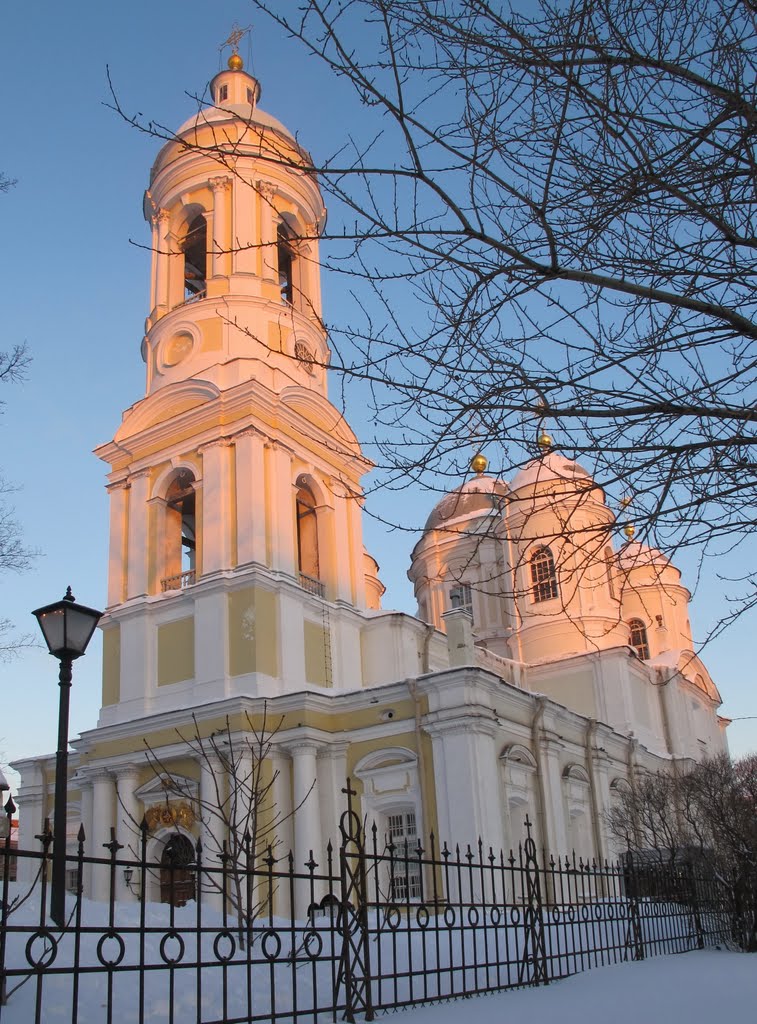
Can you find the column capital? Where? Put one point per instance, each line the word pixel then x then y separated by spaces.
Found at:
pixel 218 442
pixel 220 183
pixel 250 432
pixel 265 189
pixel 139 474
pixel 160 218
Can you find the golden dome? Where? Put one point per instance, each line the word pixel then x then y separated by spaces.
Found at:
pixel 629 530
pixel 544 441
pixel 235 62
pixel 479 463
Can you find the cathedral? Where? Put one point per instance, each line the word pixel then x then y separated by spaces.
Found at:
pixel 545 666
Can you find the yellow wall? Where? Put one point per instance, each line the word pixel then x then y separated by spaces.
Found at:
pixel 316 669
pixel 253 632
pixel 176 651
pixel 111 665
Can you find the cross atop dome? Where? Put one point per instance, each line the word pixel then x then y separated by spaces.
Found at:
pixel 237 34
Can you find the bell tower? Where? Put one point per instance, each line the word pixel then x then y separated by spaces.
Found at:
pixel 236 556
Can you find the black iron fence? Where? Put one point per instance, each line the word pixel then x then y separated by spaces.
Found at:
pixel 375 926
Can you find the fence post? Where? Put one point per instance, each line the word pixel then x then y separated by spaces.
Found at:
pixel 534 950
pixel 10 809
pixel 694 904
pixel 354 965
pixel 634 936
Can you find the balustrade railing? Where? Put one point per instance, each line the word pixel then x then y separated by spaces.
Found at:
pixel 180 581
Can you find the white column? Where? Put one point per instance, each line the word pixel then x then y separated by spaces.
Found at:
pixel 117 543
pixel 128 820
pixel 281 514
pixel 212 830
pixel 267 231
pixel 468 786
pixel 283 841
pixel 307 820
pixel 332 779
pixel 250 497
pixel 138 541
pixel 216 506
pixel 221 248
pixel 343 547
pixel 102 822
pixel 355 517
pixel 161 261
pixel 245 251
pixel 87 821
pixel 555 832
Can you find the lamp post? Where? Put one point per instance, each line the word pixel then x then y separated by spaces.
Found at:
pixel 67 628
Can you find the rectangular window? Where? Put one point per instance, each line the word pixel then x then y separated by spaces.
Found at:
pixel 223 93
pixel 461 596
pixel 404 878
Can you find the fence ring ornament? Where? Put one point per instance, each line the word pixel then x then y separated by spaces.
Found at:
pixel 514 915
pixel 598 911
pixel 271 944
pixel 585 913
pixel 393 917
pixel 610 912
pixel 40 963
pixel 313 944
pixel 622 912
pixel 495 915
pixel 113 935
pixel 449 916
pixel 172 935
pixel 473 916
pixel 421 917
pixel 570 913
pixel 556 914
pixel 222 936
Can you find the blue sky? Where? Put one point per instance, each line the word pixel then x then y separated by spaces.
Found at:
pixel 76 290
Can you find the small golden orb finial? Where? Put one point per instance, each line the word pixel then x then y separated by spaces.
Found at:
pixel 235 62
pixel 544 441
pixel 479 463
pixel 625 501
pixel 629 530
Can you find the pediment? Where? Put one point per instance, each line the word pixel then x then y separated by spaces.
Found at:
pixel 164 788
pixel 321 413
pixel 168 403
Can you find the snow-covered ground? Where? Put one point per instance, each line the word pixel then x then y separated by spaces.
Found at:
pixel 707 987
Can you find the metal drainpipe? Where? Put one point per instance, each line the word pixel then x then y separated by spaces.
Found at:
pixel 591 731
pixel 517 618
pixel 412 685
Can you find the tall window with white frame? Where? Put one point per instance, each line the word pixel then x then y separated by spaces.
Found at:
pixel 402 845
pixel 461 596
pixel 638 638
pixel 543 575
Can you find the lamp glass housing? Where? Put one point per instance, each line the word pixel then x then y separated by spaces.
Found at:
pixel 67 627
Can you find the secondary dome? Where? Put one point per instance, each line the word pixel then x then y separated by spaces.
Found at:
pixel 550 466
pixel 634 555
pixel 480 495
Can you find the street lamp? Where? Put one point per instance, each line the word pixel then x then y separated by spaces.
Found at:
pixel 67 628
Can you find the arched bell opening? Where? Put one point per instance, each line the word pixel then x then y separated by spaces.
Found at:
pixel 194 246
pixel 180 533
pixel 308 552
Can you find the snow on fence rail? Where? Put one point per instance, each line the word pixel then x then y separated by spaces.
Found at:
pixel 371 928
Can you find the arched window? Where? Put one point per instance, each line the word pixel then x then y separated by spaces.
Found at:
pixel 195 249
pixel 307 538
pixel 285 258
pixel 543 575
pixel 181 535
pixel 638 638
